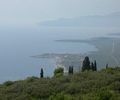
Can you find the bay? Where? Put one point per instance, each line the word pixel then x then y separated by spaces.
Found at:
pixel 18 44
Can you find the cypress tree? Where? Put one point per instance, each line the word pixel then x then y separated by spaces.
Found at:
pixel 70 70
pixel 106 66
pixel 41 73
pixel 95 66
pixel 86 64
pixel 92 66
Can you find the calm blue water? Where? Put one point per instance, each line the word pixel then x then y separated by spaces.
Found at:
pixel 18 44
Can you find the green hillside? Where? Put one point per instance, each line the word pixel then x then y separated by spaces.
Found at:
pixel 87 85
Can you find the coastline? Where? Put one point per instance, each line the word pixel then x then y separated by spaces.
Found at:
pixel 103 54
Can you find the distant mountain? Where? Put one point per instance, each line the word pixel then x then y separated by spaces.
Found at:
pixel 110 20
pixel 115 14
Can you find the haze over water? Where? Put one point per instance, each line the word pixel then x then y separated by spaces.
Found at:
pixel 18 44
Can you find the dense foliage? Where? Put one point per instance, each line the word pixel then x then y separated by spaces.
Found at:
pixel 87 85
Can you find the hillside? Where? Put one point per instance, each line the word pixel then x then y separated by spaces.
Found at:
pixel 88 85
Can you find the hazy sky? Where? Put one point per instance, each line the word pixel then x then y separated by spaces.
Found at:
pixel 31 11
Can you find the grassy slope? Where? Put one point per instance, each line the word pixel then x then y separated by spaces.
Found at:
pixel 102 85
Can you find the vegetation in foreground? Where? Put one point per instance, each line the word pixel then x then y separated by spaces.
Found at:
pixel 87 85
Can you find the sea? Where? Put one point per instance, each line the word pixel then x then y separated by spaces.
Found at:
pixel 19 44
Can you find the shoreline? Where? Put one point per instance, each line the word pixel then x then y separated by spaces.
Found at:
pixel 104 47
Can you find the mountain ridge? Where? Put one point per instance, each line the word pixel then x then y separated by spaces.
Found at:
pixel 109 20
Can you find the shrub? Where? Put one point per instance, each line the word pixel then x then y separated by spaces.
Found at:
pixel 58 72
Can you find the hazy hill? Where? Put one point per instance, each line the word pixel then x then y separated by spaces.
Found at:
pixel 110 20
